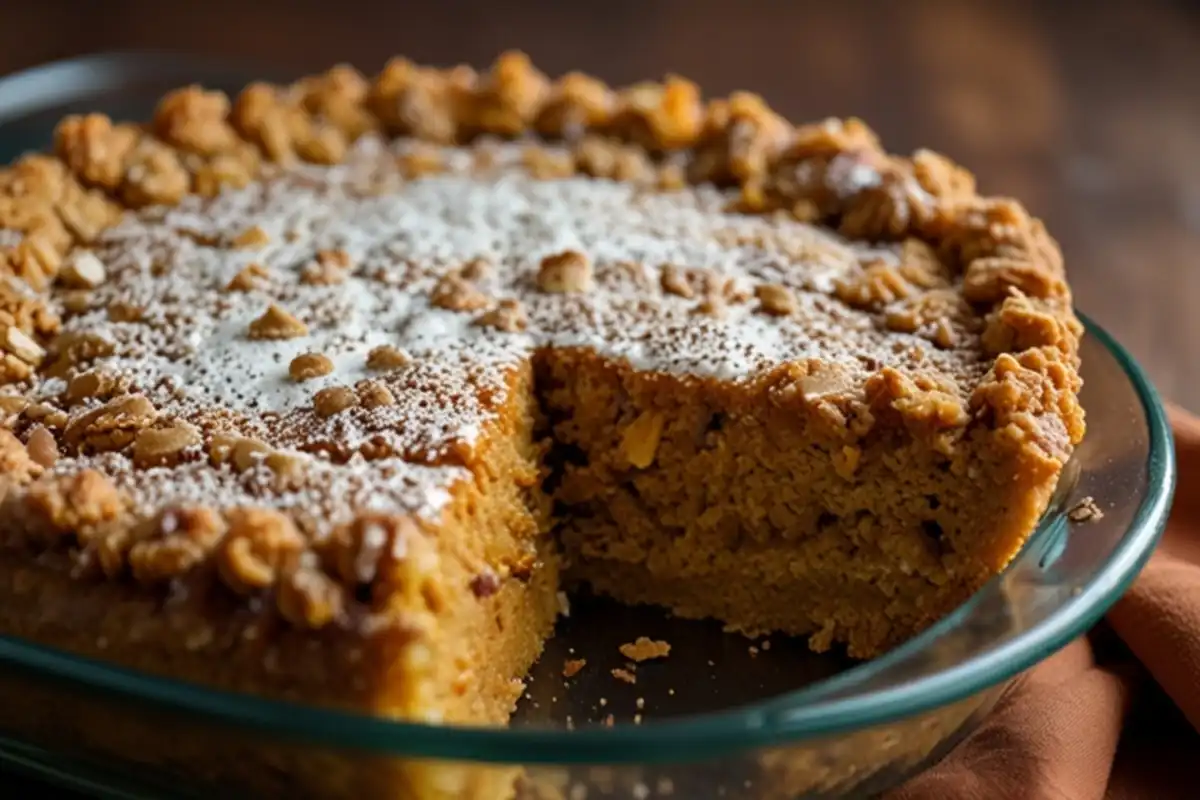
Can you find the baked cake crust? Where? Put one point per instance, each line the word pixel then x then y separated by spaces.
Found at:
pixel 280 375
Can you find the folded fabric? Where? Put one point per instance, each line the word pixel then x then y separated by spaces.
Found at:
pixel 1114 714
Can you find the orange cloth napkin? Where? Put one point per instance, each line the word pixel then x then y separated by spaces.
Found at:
pixel 1115 714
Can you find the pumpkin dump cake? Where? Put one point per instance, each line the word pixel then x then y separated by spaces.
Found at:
pixel 324 392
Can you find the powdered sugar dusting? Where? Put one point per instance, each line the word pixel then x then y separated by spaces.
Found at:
pixel 182 338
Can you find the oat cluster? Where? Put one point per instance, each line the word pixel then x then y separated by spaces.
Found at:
pixel 263 335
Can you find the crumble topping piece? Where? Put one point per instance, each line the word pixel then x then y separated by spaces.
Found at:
pixel 249 278
pixel 387 357
pixel 82 270
pixel 624 675
pixel 565 272
pixel 307 366
pixel 645 649
pixel 573 666
pixel 334 400
pixel 508 316
pixel 276 323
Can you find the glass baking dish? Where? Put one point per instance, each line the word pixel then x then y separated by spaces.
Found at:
pixel 724 717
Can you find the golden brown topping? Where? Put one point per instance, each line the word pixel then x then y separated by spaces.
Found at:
pixel 36 259
pixel 42 447
pixel 776 300
pixel 428 104
pixel 675 281
pixel 1020 323
pixel 308 598
pixel 242 452
pixel 373 394
pixel 329 268
pixel 18 343
pixel 248 278
pixel 12 404
pixel 13 370
pixel 307 366
pixel 831 137
pixel 661 117
pixel 387 357
pixel 572 667
pixel 259 544
pixel 46 414
pixel 925 399
pixel 509 96
pixel 77 301
pixel 94 149
pixel 252 237
pixel 82 270
pixel 17 462
pixel 334 400
pixel 20 308
pixel 154 175
pixel 508 315
pixel 288 466
pixel 878 284
pixel 234 169
pixel 941 177
pixel 546 164
pixel 455 294
pixel 373 549
pixel 72 349
pixel 576 103
pixel 338 96
pixel 939 315
pixel 112 426
pixel 275 323
pixel 76 503
pixel 565 272
pixel 194 120
pixel 92 384
pixel 1033 397
pixel 165 447
pixel 180 539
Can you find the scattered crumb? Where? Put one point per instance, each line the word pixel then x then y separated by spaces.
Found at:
pixel 572 666
pixel 637 719
pixel 564 605
pixel 608 721
pixel 753 651
pixel 645 649
pixel 641 703
pixel 666 786
pixel 710 663
pixel 603 702
pixel 766 645
pixel 671 692
pixel 624 675
pixel 1085 510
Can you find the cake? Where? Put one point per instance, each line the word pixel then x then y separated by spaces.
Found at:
pixel 329 392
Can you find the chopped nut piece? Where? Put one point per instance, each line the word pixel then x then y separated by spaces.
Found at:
pixel 308 598
pixel 477 269
pixel 42 447
pixel 675 281
pixel 639 442
pixel 568 271
pixel 334 400
pixel 110 427
pixel 455 294
pixel 507 316
pixel 275 323
pixel 307 366
pixel 18 343
pixel 385 356
pixel 572 667
pixel 259 543
pixel 645 648
pixel 248 279
pixel 776 300
pixel 77 301
pixel 164 447
pixel 82 270
pixel 373 394
pixel 253 236
pixel 181 539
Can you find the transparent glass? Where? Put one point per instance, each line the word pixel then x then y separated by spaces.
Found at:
pixel 718 719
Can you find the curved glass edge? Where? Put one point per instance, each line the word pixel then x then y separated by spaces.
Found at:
pixel 62 82
pixel 820 710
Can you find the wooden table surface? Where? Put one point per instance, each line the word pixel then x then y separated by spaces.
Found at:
pixel 1088 111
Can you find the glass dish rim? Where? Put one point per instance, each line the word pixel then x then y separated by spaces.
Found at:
pixel 800 715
